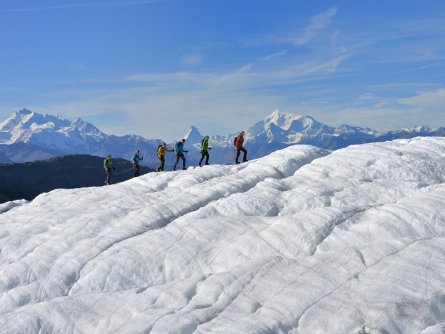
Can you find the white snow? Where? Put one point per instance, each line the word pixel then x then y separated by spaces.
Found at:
pixel 301 241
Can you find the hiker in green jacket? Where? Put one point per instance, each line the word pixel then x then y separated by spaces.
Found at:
pixel 108 165
pixel 205 150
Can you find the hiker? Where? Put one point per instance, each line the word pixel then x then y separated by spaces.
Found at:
pixel 205 150
pixel 180 153
pixel 239 140
pixel 161 155
pixel 108 165
pixel 136 159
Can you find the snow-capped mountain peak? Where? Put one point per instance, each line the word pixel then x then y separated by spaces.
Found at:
pixel 422 129
pixel 52 132
pixel 84 127
pixel 286 128
pixel 193 135
pixel 17 117
pixel 285 120
pixel 348 129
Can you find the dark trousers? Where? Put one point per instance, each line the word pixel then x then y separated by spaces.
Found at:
pixel 238 151
pixel 109 171
pixel 161 167
pixel 179 156
pixel 206 155
pixel 136 170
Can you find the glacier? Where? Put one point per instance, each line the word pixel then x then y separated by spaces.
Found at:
pixel 304 240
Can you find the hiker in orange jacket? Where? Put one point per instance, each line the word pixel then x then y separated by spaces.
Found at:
pixel 239 141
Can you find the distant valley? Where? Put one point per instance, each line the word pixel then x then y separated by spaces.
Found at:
pixel 27 180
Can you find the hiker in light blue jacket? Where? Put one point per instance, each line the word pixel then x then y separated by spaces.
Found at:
pixel 136 159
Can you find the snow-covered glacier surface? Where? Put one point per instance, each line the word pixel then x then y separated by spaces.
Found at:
pixel 301 241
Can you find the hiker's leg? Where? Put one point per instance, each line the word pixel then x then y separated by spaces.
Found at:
pixel 176 163
pixel 237 155
pixel 245 153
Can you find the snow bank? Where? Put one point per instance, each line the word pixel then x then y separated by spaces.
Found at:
pixel 300 241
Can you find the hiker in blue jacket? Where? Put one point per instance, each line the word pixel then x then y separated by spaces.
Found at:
pixel 135 160
pixel 179 147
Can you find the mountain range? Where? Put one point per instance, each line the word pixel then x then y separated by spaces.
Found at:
pixel 49 136
pixel 28 136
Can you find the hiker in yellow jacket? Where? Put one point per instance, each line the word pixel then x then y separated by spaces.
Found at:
pixel 161 155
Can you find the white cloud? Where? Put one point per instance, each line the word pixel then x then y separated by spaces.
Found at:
pixel 275 55
pixel 376 118
pixel 367 97
pixel 316 24
pixel 428 100
pixel 192 60
pixel 334 43
pixel 313 102
pixel 235 75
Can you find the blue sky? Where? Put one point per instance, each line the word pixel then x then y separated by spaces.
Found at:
pixel 155 67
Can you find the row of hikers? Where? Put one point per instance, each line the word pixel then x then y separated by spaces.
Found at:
pixel 179 149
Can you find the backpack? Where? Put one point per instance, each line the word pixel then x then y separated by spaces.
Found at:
pixel 234 141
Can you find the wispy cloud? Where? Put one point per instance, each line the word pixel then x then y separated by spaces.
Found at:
pixel 316 24
pixel 427 100
pixel 247 76
pixel 314 102
pixel 235 75
pixel 399 41
pixel 79 66
pixel 217 101
pixel 88 5
pixel 334 43
pixel 192 60
pixel 275 55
